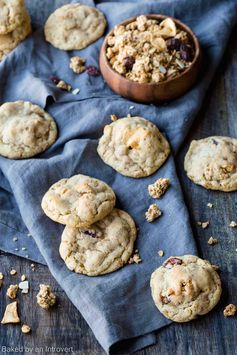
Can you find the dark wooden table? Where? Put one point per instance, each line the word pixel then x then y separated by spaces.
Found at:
pixel 211 334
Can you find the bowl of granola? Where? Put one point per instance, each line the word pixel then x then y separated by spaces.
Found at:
pixel 150 58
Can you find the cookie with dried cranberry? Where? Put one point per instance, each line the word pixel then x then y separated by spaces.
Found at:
pixel 11 15
pixel 133 146
pixel 25 130
pixel 74 26
pixel 185 287
pixel 78 201
pixel 212 163
pixel 102 248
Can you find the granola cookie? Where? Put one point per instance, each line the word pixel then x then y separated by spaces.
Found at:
pixel 185 287
pixel 11 40
pixel 78 201
pixel 74 26
pixel 11 15
pixel 25 130
pixel 212 163
pixel 133 146
pixel 102 248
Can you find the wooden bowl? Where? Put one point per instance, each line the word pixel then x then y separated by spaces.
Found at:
pixel 152 92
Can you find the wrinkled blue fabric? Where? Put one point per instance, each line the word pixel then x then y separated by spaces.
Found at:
pixel 118 307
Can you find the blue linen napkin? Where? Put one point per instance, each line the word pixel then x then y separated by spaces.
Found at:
pixel 118 307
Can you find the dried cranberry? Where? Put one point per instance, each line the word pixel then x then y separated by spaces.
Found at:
pixel 171 262
pixel 186 52
pixel 55 79
pixel 165 300
pixel 128 63
pixel 173 43
pixel 91 70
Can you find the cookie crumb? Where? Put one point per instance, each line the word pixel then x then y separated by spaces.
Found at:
pixel 25 328
pixel 12 291
pixel 159 187
pixel 13 272
pixel 77 64
pixel 135 258
pixel 233 224
pixel 64 86
pixel 23 277
pixel 210 205
pixel 1 276
pixel 204 225
pixel 11 314
pixel 161 253
pixel 212 241
pixel 45 297
pixel 230 310
pixel 153 213
pixel 113 118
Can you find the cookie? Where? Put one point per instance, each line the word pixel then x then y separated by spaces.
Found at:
pixel 78 201
pixel 102 248
pixel 133 146
pixel 74 26
pixel 185 287
pixel 11 40
pixel 12 14
pixel 212 163
pixel 25 130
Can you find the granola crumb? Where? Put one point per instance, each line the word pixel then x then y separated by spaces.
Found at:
pixel 12 291
pixel 64 86
pixel 1 276
pixel 135 259
pixel 23 277
pixel 212 241
pixel 204 225
pixel 77 64
pixel 161 253
pixel 113 118
pixel 153 213
pixel 159 187
pixel 25 328
pixel 210 205
pixel 230 310
pixel 11 314
pixel 45 297
pixel 13 272
pixel 233 224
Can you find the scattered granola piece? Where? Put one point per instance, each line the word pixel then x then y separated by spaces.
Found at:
pixel 12 291
pixel 24 286
pixel 230 310
pixel 233 224
pixel 25 328
pixel 45 297
pixel 11 314
pixel 114 118
pixel 15 239
pixel 161 253
pixel 159 187
pixel 13 272
pixel 1 276
pixel 152 213
pixel 212 241
pixel 77 64
pixel 135 258
pixel 63 86
pixel 204 225
pixel 23 277
pixel 210 205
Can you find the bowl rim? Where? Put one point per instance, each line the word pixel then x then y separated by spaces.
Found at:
pixel 162 17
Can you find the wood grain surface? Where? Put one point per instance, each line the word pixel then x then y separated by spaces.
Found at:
pixel 212 334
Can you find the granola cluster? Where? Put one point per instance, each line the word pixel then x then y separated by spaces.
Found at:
pixel 159 187
pixel 148 51
pixel 45 297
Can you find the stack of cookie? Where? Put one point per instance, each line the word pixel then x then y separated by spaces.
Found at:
pixel 98 238
pixel 15 25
